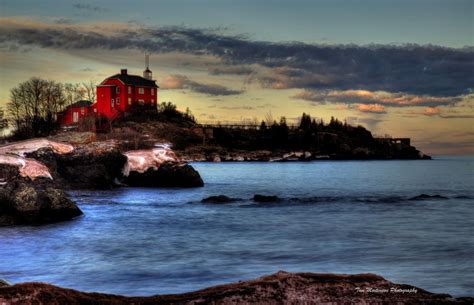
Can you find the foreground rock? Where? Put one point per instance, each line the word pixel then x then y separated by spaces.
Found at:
pixel 279 288
pixel 23 201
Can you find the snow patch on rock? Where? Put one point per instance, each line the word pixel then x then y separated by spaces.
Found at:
pixel 141 160
pixel 27 167
pixel 23 147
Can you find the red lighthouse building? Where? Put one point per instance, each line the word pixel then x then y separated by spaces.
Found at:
pixel 116 95
pixel 120 93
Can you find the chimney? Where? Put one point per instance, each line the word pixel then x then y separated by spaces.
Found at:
pixel 123 71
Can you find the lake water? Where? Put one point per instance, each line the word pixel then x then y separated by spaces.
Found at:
pixel 337 217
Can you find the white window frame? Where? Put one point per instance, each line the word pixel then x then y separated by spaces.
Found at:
pixel 129 89
pixel 129 100
pixel 83 110
pixel 141 90
pixel 117 100
pixel 117 89
pixel 141 102
pixel 75 117
pixel 112 103
pixel 152 91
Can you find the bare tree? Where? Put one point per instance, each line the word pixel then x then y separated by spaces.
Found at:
pixel 73 93
pixel 33 106
pixel 3 121
pixel 89 91
pixel 269 119
pixel 53 101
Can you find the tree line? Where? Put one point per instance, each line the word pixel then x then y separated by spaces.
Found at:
pixel 34 104
pixel 309 134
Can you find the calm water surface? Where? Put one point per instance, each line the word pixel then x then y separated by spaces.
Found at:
pixel 342 217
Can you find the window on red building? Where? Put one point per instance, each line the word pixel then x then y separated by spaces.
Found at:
pixel 141 90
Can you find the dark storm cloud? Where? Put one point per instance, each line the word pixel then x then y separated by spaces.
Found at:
pixel 236 70
pixel 412 69
pixel 183 82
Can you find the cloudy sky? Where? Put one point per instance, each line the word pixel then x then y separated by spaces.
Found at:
pixel 403 68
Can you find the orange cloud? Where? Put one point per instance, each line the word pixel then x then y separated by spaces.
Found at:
pixel 381 98
pixel 374 108
pixel 174 82
pixel 431 111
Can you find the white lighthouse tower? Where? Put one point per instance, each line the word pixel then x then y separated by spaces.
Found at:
pixel 147 74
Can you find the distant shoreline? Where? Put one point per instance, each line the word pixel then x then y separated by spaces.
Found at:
pixel 280 156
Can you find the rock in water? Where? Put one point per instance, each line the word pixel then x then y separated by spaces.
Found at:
pixel 263 198
pixel 24 202
pixel 427 197
pixel 219 199
pixel 169 174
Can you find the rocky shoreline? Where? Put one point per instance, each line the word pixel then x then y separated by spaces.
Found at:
pixel 278 288
pixel 35 173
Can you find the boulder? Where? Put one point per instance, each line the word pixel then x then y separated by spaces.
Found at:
pixel 23 201
pixel 264 198
pixel 168 174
